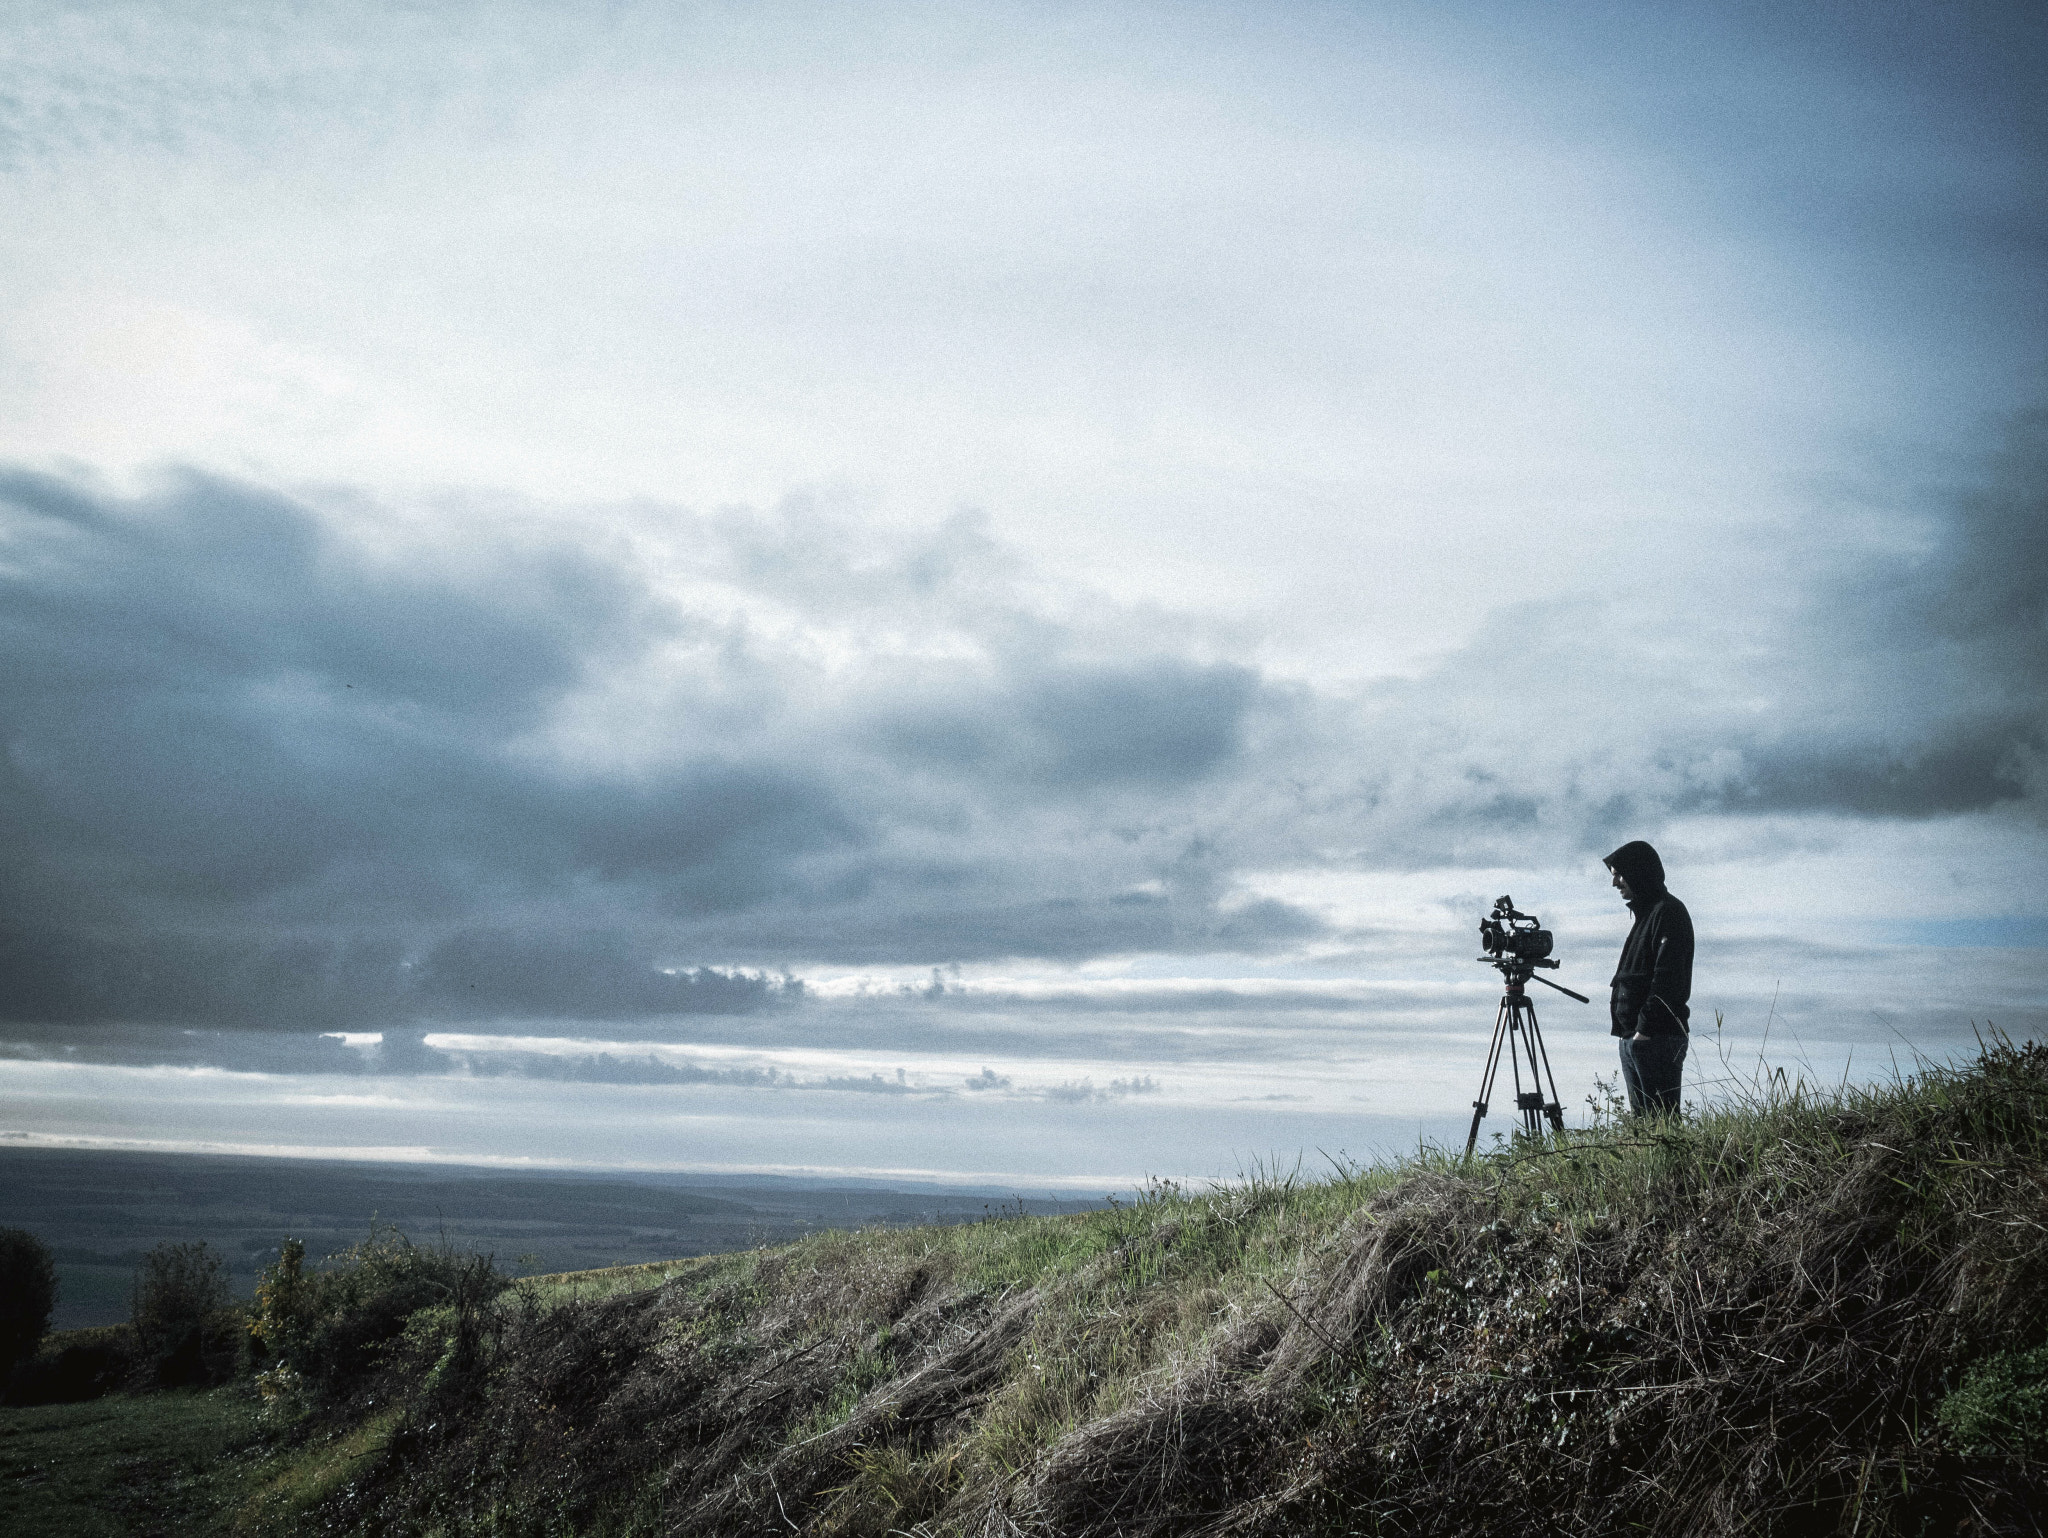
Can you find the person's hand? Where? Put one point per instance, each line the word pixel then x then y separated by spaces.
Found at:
pixel 1642 1036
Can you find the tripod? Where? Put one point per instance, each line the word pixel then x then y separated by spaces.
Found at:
pixel 1517 1035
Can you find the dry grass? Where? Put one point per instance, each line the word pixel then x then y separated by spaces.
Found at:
pixel 1739 1323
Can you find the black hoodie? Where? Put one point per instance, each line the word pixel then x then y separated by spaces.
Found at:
pixel 1654 979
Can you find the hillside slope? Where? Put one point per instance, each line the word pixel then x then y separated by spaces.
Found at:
pixel 1752 1322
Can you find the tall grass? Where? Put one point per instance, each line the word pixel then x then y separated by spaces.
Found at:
pixel 1747 1320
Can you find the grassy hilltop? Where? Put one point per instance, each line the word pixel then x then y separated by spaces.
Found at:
pixel 1807 1314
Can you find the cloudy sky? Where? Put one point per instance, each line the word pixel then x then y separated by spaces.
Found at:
pixel 989 590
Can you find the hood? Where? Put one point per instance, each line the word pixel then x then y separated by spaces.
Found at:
pixel 1638 865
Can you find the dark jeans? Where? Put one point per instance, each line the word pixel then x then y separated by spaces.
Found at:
pixel 1650 1068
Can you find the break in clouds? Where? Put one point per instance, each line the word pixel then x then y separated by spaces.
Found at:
pixel 293 762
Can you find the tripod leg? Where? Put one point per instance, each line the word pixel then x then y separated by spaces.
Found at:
pixel 1532 1112
pixel 1515 1061
pixel 1500 1025
pixel 1554 1108
pixel 1529 1044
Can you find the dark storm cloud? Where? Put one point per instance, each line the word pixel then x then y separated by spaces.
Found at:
pixel 253 775
pixel 1916 779
pixel 1937 697
pixel 486 974
pixel 1163 723
pixel 212 701
pixel 261 979
pixel 275 763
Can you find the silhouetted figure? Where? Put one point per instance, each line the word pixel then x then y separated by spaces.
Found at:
pixel 1652 983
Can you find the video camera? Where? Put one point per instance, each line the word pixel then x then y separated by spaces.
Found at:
pixel 1511 935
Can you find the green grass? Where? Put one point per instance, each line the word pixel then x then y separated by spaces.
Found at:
pixel 280 1493
pixel 171 1463
pixel 608 1281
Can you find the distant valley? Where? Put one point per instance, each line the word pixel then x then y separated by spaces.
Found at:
pixel 100 1211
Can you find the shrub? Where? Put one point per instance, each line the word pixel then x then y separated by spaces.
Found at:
pixel 281 1311
pixel 179 1309
pixel 28 1294
pixel 75 1365
pixel 331 1329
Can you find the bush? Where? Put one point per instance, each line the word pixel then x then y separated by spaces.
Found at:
pixel 28 1294
pixel 75 1365
pixel 2002 1406
pixel 331 1329
pixel 179 1309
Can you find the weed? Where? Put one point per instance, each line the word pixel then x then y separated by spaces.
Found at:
pixel 2002 1406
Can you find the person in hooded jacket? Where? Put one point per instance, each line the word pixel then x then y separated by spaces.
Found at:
pixel 1652 982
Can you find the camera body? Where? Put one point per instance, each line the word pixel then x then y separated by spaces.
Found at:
pixel 1509 935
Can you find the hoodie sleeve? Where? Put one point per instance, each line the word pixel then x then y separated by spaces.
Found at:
pixel 1665 1009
